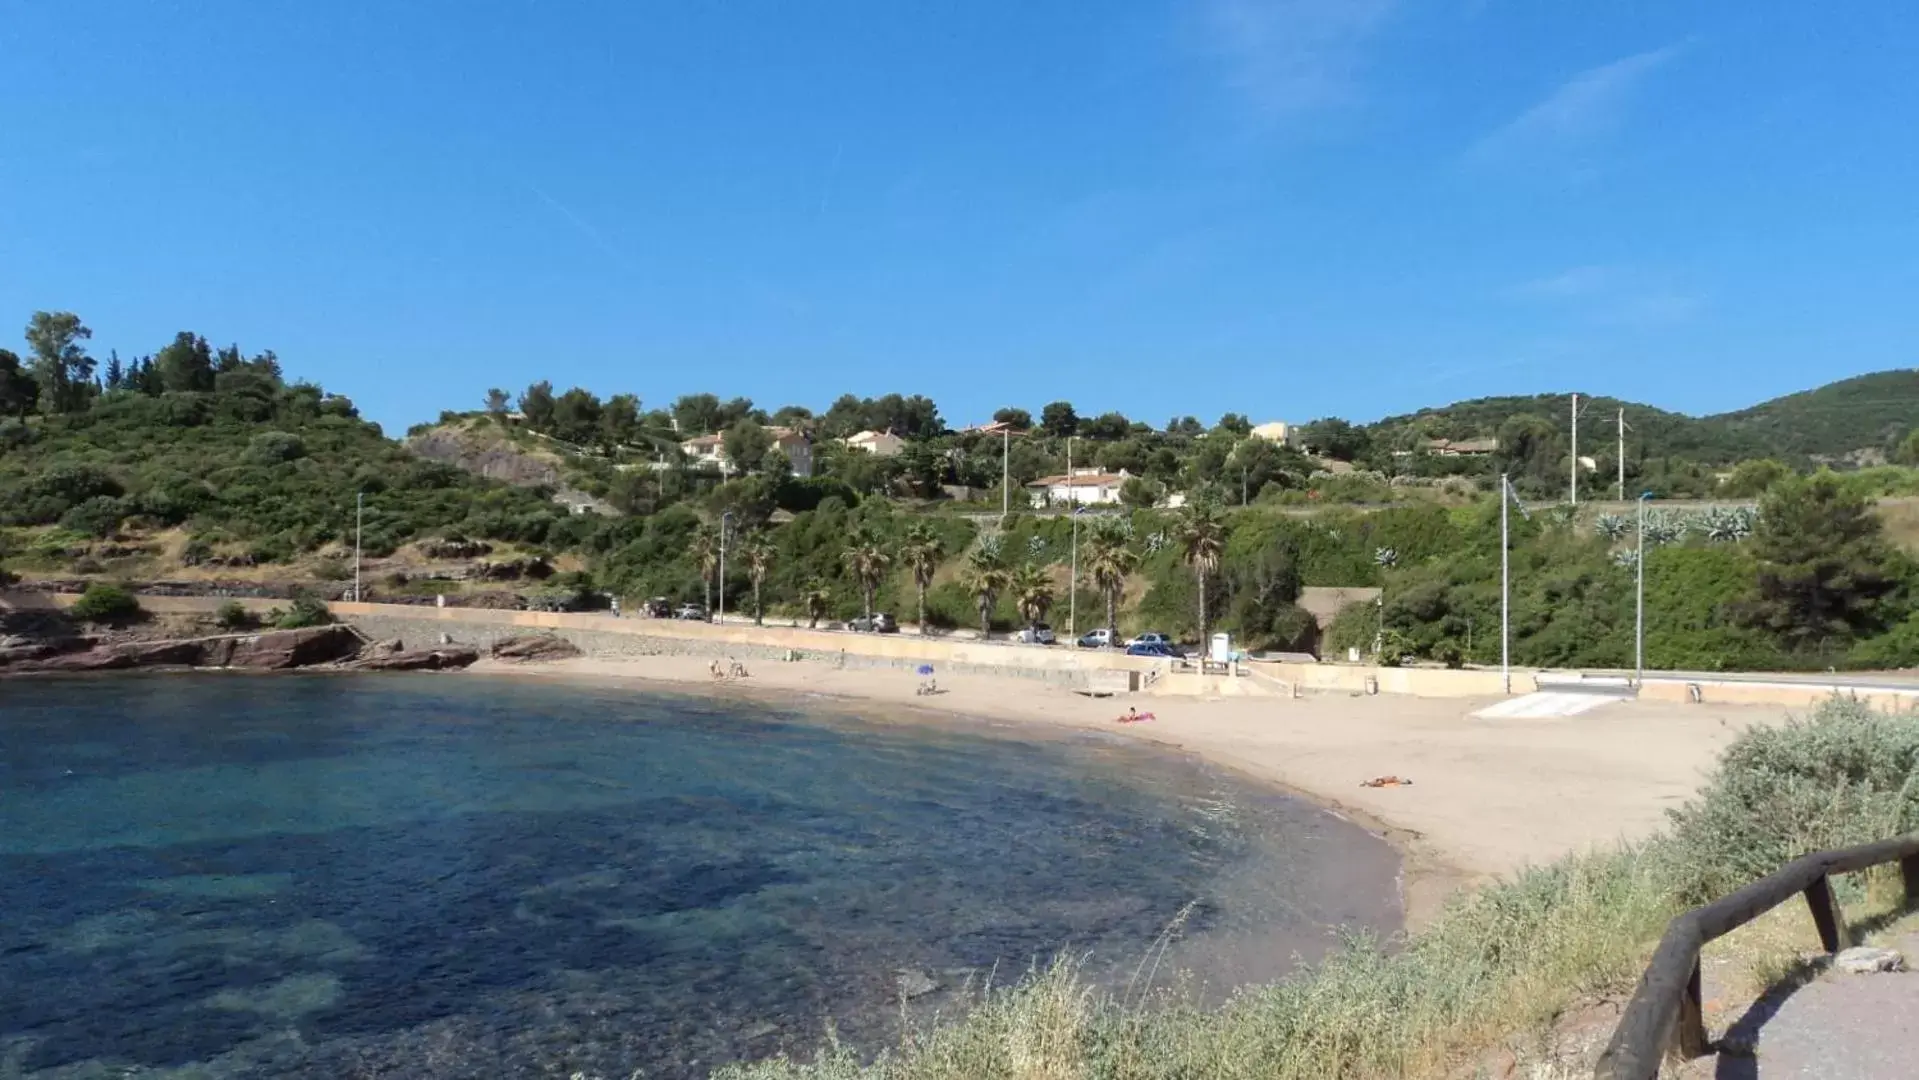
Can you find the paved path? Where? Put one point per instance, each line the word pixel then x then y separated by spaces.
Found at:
pixel 1839 1027
pixel 1547 703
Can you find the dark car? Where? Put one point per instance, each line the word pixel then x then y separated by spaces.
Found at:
pixel 877 623
pixel 657 608
pixel 1149 648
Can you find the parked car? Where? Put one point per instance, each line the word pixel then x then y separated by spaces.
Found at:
pixel 1154 637
pixel 1037 634
pixel 1101 638
pixel 695 612
pixel 879 623
pixel 1150 648
pixel 657 608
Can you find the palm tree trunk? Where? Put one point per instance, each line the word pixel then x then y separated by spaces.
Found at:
pixel 757 620
pixel 1112 619
pixel 867 590
pixel 922 586
pixel 1200 573
pixel 706 585
pixel 985 620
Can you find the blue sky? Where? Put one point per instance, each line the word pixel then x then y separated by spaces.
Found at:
pixel 1286 209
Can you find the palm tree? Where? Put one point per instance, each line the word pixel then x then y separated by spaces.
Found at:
pixel 985 579
pixel 1110 562
pixel 1202 540
pixel 757 550
pixel 921 551
pixel 706 554
pixel 818 600
pixel 1032 593
pixel 868 563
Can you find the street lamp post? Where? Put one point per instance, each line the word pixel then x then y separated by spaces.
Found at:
pixel 359 519
pixel 1639 598
pixel 1072 513
pixel 726 519
pixel 1505 591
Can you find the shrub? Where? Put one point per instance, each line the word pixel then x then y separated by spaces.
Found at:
pixel 1845 775
pixel 234 616
pixel 274 447
pixel 98 516
pixel 105 603
pixel 304 610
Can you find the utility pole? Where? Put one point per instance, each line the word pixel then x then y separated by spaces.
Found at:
pixel 1005 474
pixel 1574 488
pixel 1622 455
pixel 1505 591
pixel 359 519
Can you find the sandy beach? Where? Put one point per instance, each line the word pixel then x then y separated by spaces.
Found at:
pixel 1488 796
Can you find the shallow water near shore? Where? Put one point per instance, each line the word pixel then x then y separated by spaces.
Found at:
pixel 473 877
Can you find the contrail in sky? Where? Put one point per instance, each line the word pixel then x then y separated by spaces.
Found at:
pixel 586 227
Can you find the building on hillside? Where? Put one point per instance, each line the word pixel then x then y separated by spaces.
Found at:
pixel 1081 487
pixel 1278 431
pixel 877 443
pixel 995 428
pixel 710 450
pixel 1461 447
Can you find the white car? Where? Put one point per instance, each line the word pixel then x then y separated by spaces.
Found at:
pixel 1036 634
pixel 1151 637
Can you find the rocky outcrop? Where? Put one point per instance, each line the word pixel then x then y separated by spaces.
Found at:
pixel 281 649
pixel 484 450
pixel 444 658
pixel 526 648
pixel 275 650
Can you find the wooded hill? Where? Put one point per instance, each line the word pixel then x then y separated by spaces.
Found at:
pixel 1868 413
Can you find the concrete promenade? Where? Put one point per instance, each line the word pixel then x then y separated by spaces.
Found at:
pixel 1061 664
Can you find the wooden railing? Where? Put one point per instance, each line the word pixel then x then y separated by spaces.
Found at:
pixel 1665 1009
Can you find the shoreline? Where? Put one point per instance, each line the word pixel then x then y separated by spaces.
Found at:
pixel 1489 796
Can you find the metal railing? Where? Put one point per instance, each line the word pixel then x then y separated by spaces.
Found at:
pixel 1665 1009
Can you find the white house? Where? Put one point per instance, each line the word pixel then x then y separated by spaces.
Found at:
pixel 1082 487
pixel 1278 431
pixel 710 450
pixel 877 443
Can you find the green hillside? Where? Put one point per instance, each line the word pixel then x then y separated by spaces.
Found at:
pixel 1870 412
pixel 1867 412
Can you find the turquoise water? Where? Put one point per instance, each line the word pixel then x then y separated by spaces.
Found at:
pixel 474 877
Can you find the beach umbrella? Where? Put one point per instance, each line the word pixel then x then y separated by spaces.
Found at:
pixel 926 669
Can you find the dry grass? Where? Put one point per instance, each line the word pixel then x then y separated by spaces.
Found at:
pixel 1509 958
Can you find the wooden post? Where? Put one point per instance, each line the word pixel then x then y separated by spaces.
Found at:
pixel 1825 914
pixel 1909 870
pixel 1689 1034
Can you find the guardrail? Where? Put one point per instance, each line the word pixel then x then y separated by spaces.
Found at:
pixel 1665 1010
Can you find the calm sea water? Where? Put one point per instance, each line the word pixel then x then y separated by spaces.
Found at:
pixel 473 877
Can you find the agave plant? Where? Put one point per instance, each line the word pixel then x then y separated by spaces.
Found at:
pixel 1626 557
pixel 1726 525
pixel 1612 526
pixel 1035 547
pixel 1386 557
pixel 1665 527
pixel 1156 542
pixel 990 545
